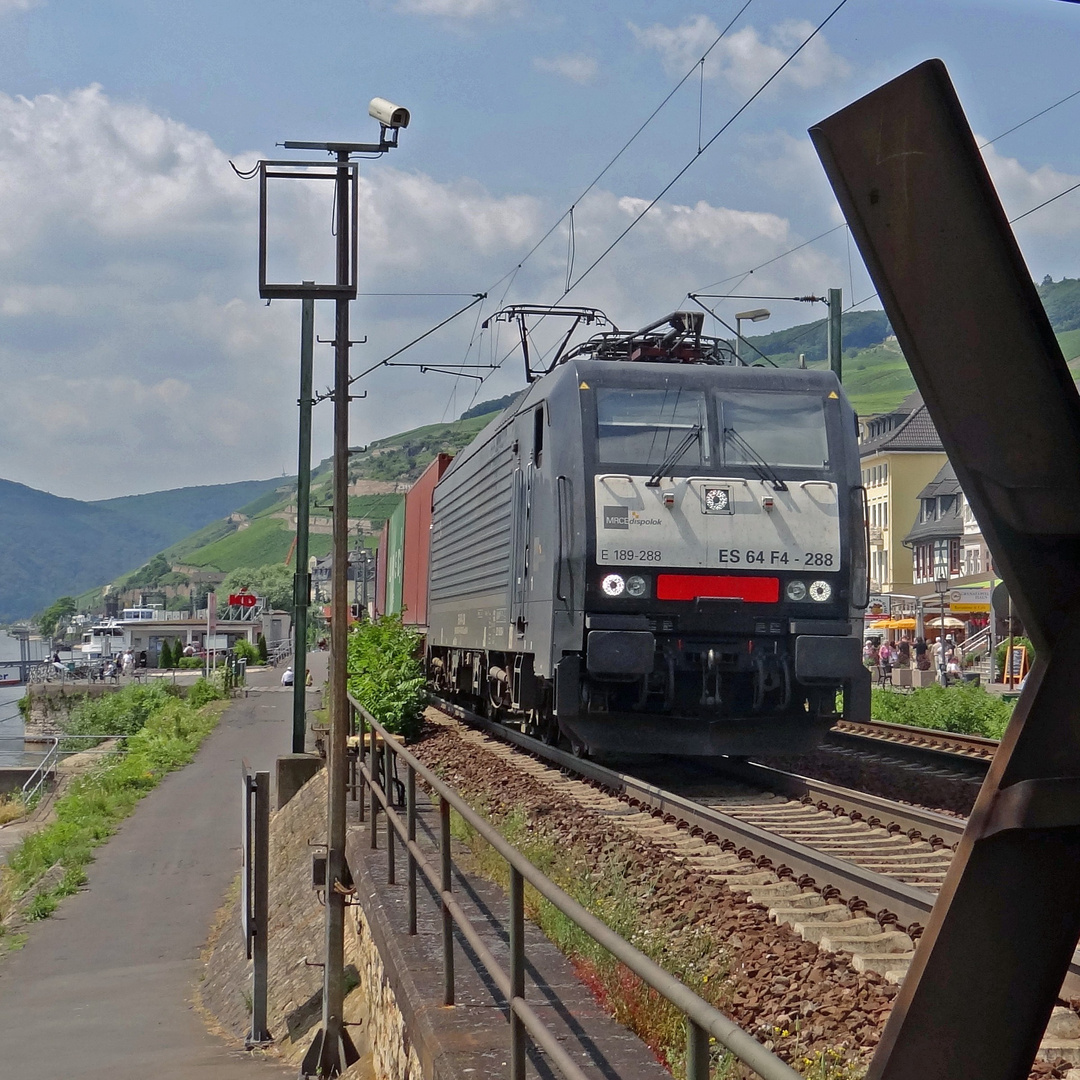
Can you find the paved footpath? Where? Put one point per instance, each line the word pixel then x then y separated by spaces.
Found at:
pixel 102 989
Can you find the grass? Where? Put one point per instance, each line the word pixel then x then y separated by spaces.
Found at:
pixel 655 1020
pixel 964 708
pixel 12 807
pixel 51 863
pixel 265 540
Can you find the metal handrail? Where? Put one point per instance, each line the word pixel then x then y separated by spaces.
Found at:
pixel 45 769
pixel 976 641
pixel 703 1020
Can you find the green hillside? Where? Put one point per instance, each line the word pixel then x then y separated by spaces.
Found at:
pixel 876 375
pixel 405 456
pixel 226 545
pixel 52 547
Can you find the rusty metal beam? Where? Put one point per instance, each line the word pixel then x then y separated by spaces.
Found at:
pixel 923 210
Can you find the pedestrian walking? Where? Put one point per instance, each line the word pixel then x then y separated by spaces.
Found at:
pixel 287 677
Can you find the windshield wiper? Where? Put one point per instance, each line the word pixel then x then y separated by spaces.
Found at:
pixel 761 466
pixel 694 435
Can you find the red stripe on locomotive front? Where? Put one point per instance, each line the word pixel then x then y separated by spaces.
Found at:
pixel 754 590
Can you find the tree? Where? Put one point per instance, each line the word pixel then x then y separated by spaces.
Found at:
pixel 264 652
pixel 56 614
pixel 165 658
pixel 273 582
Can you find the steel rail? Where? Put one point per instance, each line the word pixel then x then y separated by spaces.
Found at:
pixel 703 1019
pixel 888 898
pixel 975 746
pixel 919 756
pixel 880 894
pixel 914 821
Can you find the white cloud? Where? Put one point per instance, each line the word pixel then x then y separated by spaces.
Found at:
pixel 17 5
pixel 744 59
pixel 135 354
pixel 457 9
pixel 577 68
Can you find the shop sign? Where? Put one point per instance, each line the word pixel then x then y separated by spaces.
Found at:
pixel 969 601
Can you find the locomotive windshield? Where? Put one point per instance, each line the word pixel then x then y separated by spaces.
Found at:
pixel 781 429
pixel 643 427
pixel 751 428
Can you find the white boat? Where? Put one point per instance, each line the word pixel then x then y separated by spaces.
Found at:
pixel 106 638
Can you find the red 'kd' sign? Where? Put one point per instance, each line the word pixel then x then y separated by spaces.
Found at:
pixel 242 599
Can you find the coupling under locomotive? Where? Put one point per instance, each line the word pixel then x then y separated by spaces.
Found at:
pixel 656 549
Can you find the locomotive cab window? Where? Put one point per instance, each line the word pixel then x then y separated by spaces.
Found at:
pixel 645 427
pixel 782 429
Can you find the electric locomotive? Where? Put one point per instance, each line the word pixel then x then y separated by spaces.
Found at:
pixel 656 549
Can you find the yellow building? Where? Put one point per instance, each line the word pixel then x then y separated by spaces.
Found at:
pixel 900 454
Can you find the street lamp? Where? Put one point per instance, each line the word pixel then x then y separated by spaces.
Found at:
pixel 941 587
pixel 755 315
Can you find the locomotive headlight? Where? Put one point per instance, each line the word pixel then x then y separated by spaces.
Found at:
pixel 795 590
pixel 820 591
pixel 636 586
pixel 613 585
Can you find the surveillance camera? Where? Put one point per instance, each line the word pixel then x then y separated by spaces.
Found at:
pixel 388 114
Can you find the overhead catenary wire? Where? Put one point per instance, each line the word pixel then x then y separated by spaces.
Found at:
pixel 716 135
pixel 477 298
pixel 622 150
pixel 1041 112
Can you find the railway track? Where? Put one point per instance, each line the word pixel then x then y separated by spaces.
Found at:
pixel 851 871
pixel 975 747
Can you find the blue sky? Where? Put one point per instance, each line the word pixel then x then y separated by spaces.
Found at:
pixel 129 317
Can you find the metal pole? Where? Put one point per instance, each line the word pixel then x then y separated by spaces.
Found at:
pixel 333 1052
pixel 388 765
pixel 261 909
pixel 373 821
pixel 301 579
pixel 410 817
pixel 447 918
pixel 836 351
pixel 517 972
pixel 697 1051
pixel 1007 674
pixel 361 754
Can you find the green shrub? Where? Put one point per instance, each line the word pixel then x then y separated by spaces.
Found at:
pixel 999 652
pixel 386 674
pixel 963 708
pixel 244 650
pixel 203 691
pixel 165 657
pixel 264 652
pixel 190 663
pixel 121 713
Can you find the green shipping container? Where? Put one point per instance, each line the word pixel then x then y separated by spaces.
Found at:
pixel 395 559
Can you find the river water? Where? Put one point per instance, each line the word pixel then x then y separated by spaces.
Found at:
pixel 11 721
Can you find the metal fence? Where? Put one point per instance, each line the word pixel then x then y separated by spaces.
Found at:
pixel 379 752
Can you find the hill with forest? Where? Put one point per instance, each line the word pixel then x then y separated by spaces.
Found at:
pixel 262 532
pixel 876 375
pixel 50 546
